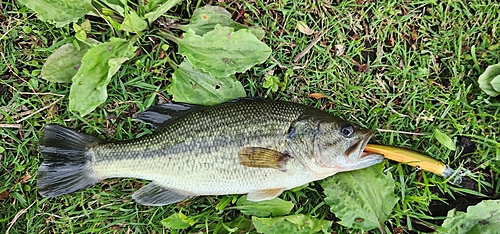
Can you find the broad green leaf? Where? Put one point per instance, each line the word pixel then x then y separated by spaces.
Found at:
pixel 306 221
pixel 59 13
pixel 134 23
pixel 115 64
pixel 64 62
pixel 223 52
pixel 194 86
pixel 99 64
pixel 291 224
pixel 483 218
pixel 152 16
pixel 205 19
pixel 178 221
pixel 489 81
pixel 273 207
pixel 495 83
pixel 116 5
pixel 241 223
pixel 257 31
pixel 362 199
pixel 444 140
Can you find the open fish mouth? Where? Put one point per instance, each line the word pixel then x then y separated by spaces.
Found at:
pixel 357 158
pixel 357 148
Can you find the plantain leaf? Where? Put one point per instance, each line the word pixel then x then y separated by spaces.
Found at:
pixel 159 10
pixel 241 224
pixel 64 62
pixel 489 81
pixel 291 224
pixel 223 52
pixel 59 13
pixel 99 64
pixel 273 207
pixel 134 23
pixel 444 140
pixel 116 5
pixel 362 199
pixel 495 83
pixel 194 86
pixel 178 221
pixel 205 19
pixel 481 218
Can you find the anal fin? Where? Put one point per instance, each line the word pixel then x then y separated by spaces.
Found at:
pixel 262 157
pixel 265 194
pixel 155 195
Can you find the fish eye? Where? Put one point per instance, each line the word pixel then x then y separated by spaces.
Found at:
pixel 347 131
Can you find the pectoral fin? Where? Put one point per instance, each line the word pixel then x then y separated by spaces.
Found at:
pixel 266 194
pixel 262 157
pixel 155 195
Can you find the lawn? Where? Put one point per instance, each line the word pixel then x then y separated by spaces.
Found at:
pixel 407 70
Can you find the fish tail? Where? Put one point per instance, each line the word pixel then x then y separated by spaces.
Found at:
pixel 66 161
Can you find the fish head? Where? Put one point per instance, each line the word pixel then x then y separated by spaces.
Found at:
pixel 328 144
pixel 339 144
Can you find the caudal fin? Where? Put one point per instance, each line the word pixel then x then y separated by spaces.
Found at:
pixel 65 167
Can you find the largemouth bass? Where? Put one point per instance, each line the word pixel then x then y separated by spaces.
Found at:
pixel 249 146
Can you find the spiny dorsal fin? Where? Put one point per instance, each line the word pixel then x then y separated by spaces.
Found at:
pixel 161 114
pixel 262 157
pixel 265 194
pixel 155 195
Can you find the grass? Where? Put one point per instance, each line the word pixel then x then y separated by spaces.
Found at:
pixel 409 67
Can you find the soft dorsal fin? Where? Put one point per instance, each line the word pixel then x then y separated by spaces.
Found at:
pixel 155 195
pixel 161 114
pixel 262 157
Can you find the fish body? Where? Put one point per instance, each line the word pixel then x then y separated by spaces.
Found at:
pixel 251 146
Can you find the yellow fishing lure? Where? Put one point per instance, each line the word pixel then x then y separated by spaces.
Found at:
pixel 411 158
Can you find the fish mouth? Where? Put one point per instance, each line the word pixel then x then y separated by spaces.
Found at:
pixel 357 148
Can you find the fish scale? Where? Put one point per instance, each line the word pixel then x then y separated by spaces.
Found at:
pixel 198 151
